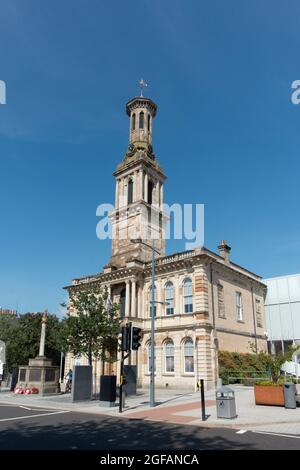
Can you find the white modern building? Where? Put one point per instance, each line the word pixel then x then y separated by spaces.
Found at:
pixel 282 311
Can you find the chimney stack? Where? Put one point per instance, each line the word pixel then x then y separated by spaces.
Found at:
pixel 224 250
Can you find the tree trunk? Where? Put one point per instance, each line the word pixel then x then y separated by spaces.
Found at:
pixel 90 355
pixel 103 360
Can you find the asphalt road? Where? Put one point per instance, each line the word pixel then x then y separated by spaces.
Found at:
pixel 41 429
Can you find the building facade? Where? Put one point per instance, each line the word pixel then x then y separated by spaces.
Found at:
pixel 282 311
pixel 203 301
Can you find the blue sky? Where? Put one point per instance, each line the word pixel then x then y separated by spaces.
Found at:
pixel 226 132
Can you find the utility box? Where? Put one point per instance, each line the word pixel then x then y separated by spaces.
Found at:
pixel 108 387
pixel 82 383
pixel 130 385
pixel 289 390
pixel 225 403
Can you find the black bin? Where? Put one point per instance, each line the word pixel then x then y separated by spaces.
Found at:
pixel 108 387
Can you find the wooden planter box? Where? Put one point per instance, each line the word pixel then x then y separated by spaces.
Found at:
pixel 269 395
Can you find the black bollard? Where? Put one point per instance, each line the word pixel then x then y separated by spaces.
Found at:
pixel 202 399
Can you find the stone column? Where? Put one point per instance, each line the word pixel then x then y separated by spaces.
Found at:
pixel 201 304
pixel 133 298
pixel 117 194
pixel 141 303
pixel 109 292
pixel 43 335
pixel 140 183
pixel 146 187
pixel 161 195
pixel 157 194
pixel 127 298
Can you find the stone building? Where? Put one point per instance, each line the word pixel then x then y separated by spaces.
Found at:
pixel 204 301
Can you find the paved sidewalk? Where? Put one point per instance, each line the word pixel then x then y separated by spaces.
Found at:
pixel 177 406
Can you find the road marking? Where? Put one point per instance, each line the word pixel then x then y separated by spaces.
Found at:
pixel 25 407
pixel 10 405
pixel 241 431
pixel 277 434
pixel 33 416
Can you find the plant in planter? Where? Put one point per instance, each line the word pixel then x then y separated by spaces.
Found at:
pixel 271 392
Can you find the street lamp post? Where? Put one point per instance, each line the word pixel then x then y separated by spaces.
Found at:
pixel 152 337
pixel 152 371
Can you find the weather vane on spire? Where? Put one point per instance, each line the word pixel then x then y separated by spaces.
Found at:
pixel 142 84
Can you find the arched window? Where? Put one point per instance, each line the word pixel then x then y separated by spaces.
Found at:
pixel 141 123
pixel 133 122
pixel 169 356
pixel 188 352
pixel 149 357
pixel 169 298
pixel 150 191
pixel 122 302
pixel 188 295
pixel 148 122
pixel 130 192
pixel 150 301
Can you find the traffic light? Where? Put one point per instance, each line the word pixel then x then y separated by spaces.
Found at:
pixel 125 338
pixel 136 338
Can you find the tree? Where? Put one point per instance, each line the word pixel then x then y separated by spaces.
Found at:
pixel 93 330
pixel 22 338
pixel 274 362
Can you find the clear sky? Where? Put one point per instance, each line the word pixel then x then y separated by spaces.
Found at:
pixel 226 133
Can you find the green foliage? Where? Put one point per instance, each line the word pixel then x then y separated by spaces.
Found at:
pixel 241 364
pixel 22 336
pixel 93 330
pixel 250 364
pixel 275 362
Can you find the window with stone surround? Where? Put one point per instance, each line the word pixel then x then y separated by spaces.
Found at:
pixel 259 320
pixel 141 122
pixel 188 356
pixel 169 298
pixel 150 192
pixel 239 306
pixel 133 122
pixel 188 295
pixel 221 304
pixel 130 192
pixel 169 356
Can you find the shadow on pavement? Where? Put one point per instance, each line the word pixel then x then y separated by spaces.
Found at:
pixel 106 433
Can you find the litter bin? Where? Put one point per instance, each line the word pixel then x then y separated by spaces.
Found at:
pixel 289 390
pixel 225 403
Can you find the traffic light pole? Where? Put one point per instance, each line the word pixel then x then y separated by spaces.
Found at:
pixel 152 365
pixel 123 357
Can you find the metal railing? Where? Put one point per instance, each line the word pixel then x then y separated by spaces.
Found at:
pixel 247 377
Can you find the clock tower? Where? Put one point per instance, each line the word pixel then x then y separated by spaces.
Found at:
pixel 138 214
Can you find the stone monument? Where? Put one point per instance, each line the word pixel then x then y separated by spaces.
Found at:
pixel 40 376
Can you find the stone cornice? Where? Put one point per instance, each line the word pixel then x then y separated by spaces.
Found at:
pixel 141 102
pixel 167 264
pixel 139 158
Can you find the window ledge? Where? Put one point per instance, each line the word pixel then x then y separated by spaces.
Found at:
pixel 168 374
pixel 240 321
